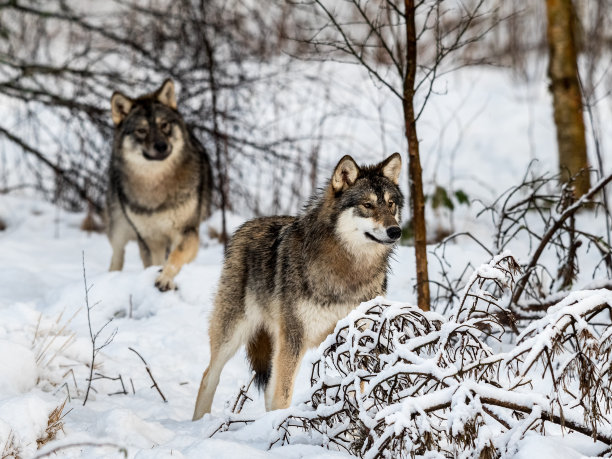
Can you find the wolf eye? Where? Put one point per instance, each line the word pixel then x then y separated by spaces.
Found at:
pixel 368 205
pixel 390 204
pixel 141 132
pixel 165 127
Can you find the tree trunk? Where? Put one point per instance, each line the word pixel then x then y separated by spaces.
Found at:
pixel 415 181
pixel 565 89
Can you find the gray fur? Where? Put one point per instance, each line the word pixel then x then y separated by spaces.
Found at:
pixel 160 183
pixel 293 278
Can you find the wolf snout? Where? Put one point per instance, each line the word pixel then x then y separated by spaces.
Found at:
pixel 394 232
pixel 161 147
pixel 160 151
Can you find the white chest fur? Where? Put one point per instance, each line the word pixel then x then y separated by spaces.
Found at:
pixel 319 321
pixel 164 224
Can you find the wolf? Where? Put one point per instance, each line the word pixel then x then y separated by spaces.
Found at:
pixel 160 183
pixel 286 281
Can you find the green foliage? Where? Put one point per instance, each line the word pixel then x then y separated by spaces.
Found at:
pixel 441 198
pixel 462 198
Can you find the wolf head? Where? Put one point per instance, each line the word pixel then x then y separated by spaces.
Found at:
pixel 148 128
pixel 369 203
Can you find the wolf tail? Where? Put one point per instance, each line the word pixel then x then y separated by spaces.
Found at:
pixel 259 352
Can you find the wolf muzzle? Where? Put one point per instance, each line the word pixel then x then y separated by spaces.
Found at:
pixel 161 150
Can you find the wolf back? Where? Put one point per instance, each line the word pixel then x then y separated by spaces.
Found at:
pixel 160 183
pixel 286 281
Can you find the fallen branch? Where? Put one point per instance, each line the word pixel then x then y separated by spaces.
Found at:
pixel 59 448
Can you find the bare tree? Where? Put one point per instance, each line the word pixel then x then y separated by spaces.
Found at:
pixel 402 45
pixel 565 89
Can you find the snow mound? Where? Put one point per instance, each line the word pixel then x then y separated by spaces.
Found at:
pixel 19 372
pixel 23 421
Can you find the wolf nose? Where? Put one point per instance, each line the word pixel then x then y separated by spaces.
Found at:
pixel 394 232
pixel 161 147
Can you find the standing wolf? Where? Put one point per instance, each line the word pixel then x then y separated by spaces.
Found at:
pixel 286 281
pixel 160 183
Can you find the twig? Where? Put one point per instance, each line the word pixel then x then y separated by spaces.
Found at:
pixel 118 378
pixel 150 374
pixel 55 450
pixel 93 336
pixel 242 396
pixel 571 210
pixel 71 371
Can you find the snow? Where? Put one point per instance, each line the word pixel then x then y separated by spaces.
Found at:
pixel 42 306
pixel 45 347
pixel 19 370
pixel 546 448
pixel 23 420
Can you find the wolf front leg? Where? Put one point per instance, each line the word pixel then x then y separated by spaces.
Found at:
pixel 119 234
pixel 117 258
pixel 145 253
pixel 184 251
pixel 288 353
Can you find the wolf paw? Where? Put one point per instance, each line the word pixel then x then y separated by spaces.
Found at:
pixel 164 284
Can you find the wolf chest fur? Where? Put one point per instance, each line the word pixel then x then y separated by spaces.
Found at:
pixel 286 281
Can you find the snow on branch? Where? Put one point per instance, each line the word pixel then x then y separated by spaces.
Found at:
pixel 396 381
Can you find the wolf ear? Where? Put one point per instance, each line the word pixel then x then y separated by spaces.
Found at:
pixel 345 174
pixel 120 107
pixel 392 167
pixel 166 95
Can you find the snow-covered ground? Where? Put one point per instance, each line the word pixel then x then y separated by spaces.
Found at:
pixel 45 350
pixel 42 306
pixel 478 137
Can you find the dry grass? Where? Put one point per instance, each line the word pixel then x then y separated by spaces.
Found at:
pixel 11 449
pixel 54 425
pixel 52 339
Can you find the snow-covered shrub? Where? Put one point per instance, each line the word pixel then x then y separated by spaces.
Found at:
pixel 563 242
pixel 395 381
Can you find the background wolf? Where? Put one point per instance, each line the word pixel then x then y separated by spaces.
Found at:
pixel 286 281
pixel 160 183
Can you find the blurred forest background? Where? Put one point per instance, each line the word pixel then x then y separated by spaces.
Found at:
pixel 252 81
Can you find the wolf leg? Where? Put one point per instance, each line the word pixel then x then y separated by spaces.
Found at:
pixel 220 352
pixel 158 252
pixel 117 258
pixel 288 353
pixel 119 235
pixel 145 253
pixel 184 252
